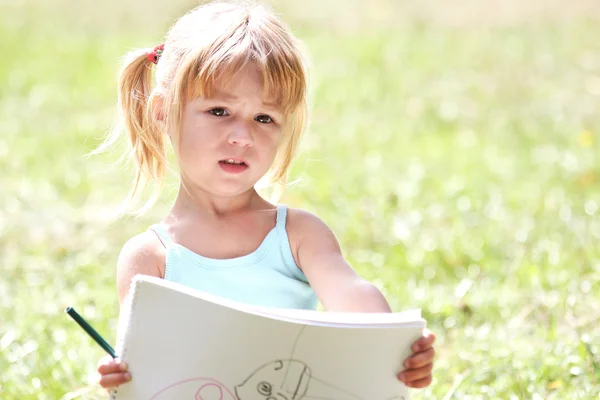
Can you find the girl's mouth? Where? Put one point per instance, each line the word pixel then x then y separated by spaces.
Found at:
pixel 233 165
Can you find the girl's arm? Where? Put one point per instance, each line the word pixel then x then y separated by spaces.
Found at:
pixel 339 288
pixel 144 255
pixel 337 285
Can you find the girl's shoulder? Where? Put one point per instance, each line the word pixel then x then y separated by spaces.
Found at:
pixel 307 232
pixel 302 221
pixel 142 254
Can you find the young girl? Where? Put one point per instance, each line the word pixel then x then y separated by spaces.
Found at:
pixel 230 97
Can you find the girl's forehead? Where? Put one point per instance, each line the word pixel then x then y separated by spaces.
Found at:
pixel 233 96
pixel 240 88
pixel 247 79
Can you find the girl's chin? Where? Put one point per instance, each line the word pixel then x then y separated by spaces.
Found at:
pixel 230 189
pixel 222 184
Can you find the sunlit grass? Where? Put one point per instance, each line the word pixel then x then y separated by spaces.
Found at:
pixel 457 163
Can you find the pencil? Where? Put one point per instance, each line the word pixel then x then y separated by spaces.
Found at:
pixel 91 331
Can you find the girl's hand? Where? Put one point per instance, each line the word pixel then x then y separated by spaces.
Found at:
pixel 418 366
pixel 112 372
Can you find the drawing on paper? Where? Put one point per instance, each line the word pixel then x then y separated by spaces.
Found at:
pixel 196 389
pixel 282 379
pixel 289 380
pixel 276 380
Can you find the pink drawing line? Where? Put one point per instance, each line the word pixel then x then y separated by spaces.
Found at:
pixel 199 392
pixel 210 382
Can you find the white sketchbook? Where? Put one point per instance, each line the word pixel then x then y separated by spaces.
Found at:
pixel 182 344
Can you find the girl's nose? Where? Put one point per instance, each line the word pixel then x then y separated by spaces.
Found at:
pixel 241 136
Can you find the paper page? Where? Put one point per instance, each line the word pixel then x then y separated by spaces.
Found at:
pixel 181 346
pixel 408 317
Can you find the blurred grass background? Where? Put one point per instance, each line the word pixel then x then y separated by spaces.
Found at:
pixel 453 149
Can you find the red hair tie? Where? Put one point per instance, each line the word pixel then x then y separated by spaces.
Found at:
pixel 154 55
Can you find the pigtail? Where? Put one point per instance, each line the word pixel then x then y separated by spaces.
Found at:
pixel 145 135
pixel 136 122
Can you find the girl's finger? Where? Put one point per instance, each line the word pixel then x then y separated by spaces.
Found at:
pixel 420 359
pixel 105 360
pixel 424 342
pixel 112 380
pixel 421 383
pixel 413 375
pixel 112 368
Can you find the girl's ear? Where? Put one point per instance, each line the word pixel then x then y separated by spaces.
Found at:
pixel 157 104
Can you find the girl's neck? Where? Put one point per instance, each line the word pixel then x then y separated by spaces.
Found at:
pixel 202 204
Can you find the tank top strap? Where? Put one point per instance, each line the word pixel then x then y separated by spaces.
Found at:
pixel 281 217
pixel 163 235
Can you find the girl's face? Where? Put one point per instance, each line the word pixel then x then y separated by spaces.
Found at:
pixel 228 142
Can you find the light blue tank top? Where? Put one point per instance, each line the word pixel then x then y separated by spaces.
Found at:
pixel 266 277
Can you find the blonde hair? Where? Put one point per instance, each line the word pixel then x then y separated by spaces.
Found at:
pixel 204 48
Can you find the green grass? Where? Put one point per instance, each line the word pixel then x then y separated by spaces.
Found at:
pixel 456 160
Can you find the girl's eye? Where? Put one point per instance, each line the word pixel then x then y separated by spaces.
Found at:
pixel 218 112
pixel 264 119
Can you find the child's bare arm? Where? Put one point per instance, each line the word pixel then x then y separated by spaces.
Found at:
pixel 337 285
pixel 144 255
pixel 339 288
